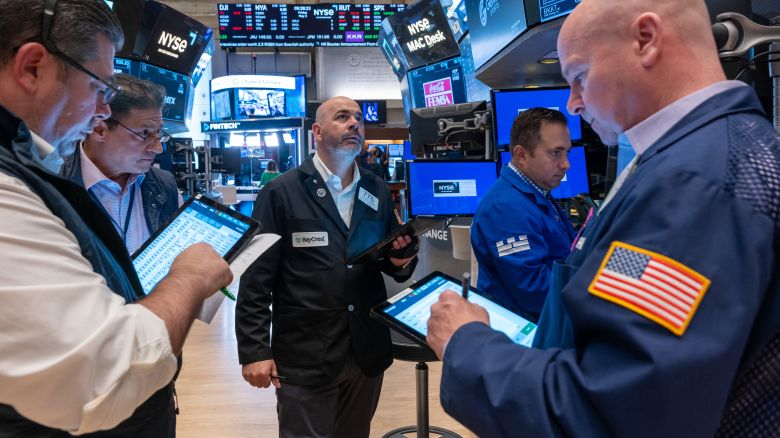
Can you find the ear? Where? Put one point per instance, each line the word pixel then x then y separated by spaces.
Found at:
pixel 519 153
pixel 31 65
pixel 316 129
pixel 647 31
pixel 99 131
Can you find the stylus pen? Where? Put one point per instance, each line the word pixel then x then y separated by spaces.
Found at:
pixel 279 378
pixel 466 284
pixel 227 293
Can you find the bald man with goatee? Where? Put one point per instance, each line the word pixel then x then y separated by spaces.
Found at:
pixel 664 320
pixel 327 356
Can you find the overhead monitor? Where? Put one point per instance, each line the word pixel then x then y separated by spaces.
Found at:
pixel 438 84
pixel 475 89
pixel 448 188
pixel 302 25
pixel 241 97
pixel 388 44
pixel 552 9
pixel 424 34
pixel 493 24
pixel 160 35
pixel 424 129
pixel 374 111
pixel 177 89
pixel 507 104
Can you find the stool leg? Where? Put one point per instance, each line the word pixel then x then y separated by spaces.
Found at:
pixel 421 377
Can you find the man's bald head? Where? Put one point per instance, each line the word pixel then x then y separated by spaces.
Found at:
pixel 333 104
pixel 626 60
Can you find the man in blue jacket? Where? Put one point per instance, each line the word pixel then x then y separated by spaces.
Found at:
pixel 519 230
pixel 664 319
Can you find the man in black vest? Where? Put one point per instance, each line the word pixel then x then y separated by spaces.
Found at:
pixel 76 357
pixel 114 163
pixel 328 355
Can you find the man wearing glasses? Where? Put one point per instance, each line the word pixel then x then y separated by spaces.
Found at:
pixel 114 163
pixel 81 352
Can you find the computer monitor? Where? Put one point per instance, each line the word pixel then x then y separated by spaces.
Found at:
pixel 438 84
pixel 424 129
pixel 226 160
pixel 448 188
pixel 507 104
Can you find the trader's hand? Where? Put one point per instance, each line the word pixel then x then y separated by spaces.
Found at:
pixel 401 246
pixel 203 268
pixel 450 313
pixel 258 374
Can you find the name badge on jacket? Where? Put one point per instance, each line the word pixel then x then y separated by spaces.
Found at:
pixel 368 199
pixel 310 239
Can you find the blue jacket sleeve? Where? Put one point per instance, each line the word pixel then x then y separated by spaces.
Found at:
pixel 626 375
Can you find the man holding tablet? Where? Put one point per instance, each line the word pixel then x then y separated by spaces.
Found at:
pixel 80 352
pixel 664 320
pixel 327 356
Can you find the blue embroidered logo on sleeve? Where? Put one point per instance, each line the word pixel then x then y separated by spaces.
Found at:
pixel 650 284
pixel 512 245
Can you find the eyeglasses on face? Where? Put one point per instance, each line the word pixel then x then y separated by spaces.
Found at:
pixel 110 91
pixel 146 136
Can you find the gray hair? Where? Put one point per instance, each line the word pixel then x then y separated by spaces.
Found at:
pixel 75 26
pixel 136 94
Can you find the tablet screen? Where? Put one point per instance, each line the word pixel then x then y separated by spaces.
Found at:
pixel 197 222
pixel 412 307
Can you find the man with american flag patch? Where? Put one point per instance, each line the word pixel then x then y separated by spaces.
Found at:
pixel 665 319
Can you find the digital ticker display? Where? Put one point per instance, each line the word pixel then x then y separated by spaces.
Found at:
pixel 323 24
pixel 550 9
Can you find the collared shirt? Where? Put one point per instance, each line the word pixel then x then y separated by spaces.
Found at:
pixel 343 196
pixel 647 132
pixel 116 202
pixel 545 193
pixel 66 338
pixel 47 154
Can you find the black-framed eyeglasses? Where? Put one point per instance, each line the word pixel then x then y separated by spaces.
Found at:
pixel 146 138
pixel 111 89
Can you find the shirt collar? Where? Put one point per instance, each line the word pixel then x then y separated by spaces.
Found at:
pixel 649 131
pixel 92 175
pixel 330 177
pixel 522 176
pixel 47 156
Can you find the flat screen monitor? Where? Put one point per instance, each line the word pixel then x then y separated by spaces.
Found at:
pixel 177 88
pixel 552 9
pixel 475 89
pixel 507 104
pixel 438 84
pixel 424 128
pixel 221 104
pixel 504 157
pixel 448 188
pixel 424 34
pixel 226 160
pixel 494 25
pixel 374 111
pixel 395 150
pixel 258 96
pixel 302 25
pixel 576 180
pixel 408 155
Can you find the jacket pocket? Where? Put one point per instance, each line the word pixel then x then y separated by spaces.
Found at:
pixel 303 338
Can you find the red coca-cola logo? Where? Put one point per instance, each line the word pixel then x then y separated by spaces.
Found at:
pixel 438 86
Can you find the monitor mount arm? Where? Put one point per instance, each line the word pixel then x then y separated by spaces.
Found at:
pixel 481 122
pixel 736 34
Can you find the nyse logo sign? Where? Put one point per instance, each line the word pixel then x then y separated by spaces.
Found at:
pixel 438 92
pixel 446 187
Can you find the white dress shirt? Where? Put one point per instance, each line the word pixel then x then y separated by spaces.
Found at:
pixel 343 196
pixel 74 356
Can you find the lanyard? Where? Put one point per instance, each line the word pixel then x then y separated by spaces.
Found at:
pixel 122 230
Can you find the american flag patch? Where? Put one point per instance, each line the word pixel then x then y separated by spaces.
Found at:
pixel 512 245
pixel 655 286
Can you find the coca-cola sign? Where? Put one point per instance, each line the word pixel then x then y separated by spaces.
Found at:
pixel 438 92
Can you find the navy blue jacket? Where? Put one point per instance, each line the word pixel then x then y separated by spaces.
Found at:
pixel 707 195
pixel 516 236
